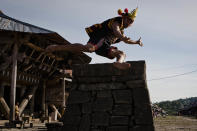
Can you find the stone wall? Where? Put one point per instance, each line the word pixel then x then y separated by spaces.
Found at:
pixel 104 98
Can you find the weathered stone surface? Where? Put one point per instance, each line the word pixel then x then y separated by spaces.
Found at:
pixel 95 79
pixel 106 93
pixel 77 97
pixel 131 121
pixel 89 70
pixel 122 109
pixel 101 86
pixel 122 96
pixel 140 96
pixel 100 119
pixel 103 104
pixel 143 128
pixel 54 126
pixel 130 77
pixel 107 79
pixel 143 114
pixel 95 129
pixel 74 86
pixel 87 108
pixel 119 120
pixel 69 128
pixel 85 123
pixel 73 110
pixel 54 129
pixel 118 128
pixel 136 84
pixel 95 70
pixel 71 120
pixel 104 98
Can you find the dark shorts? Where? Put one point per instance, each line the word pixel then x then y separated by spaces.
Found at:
pixel 103 47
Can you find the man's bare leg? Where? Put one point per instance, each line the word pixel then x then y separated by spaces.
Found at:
pixel 120 57
pixel 71 48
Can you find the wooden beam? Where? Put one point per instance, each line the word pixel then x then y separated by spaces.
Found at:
pixel 55 109
pixel 63 93
pixel 4 108
pixel 32 104
pixel 13 83
pixel 37 48
pixel 26 100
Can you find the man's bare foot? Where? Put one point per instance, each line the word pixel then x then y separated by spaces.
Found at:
pixel 122 66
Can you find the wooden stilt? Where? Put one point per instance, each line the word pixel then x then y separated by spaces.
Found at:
pixel 4 109
pixel 55 109
pixel 44 98
pixel 13 83
pixel 32 104
pixel 46 110
pixel 63 95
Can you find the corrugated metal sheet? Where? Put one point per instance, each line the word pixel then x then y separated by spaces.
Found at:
pixel 10 24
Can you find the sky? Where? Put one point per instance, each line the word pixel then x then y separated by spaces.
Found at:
pixel 168 30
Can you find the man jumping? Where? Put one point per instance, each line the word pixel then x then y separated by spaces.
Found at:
pixel 102 36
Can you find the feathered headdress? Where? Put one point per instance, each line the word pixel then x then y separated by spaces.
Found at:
pixel 131 15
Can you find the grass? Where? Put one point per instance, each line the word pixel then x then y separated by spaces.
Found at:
pixel 175 123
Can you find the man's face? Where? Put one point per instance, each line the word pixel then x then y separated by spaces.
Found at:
pixel 127 22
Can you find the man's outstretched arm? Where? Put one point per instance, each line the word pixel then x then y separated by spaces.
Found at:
pixel 122 37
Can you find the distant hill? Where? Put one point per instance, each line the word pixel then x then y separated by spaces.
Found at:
pixel 172 107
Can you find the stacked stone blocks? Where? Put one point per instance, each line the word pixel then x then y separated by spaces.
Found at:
pixel 104 98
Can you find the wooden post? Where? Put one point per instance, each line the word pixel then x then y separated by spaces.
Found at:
pixel 44 97
pixel 46 110
pixel 13 83
pixel 4 109
pixel 32 104
pixel 63 96
pixel 1 90
pixel 63 91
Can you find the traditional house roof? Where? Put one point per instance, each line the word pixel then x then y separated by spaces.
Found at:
pixel 32 40
pixel 9 25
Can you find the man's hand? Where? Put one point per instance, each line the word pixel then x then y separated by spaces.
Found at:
pixel 139 42
pixel 129 41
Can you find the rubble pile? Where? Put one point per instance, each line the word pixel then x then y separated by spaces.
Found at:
pixel 158 111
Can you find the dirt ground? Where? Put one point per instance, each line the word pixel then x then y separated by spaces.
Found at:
pixel 175 123
pixel 169 123
pixel 37 126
